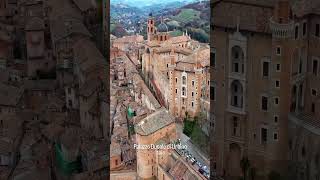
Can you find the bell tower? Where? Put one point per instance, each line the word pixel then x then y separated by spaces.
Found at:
pixel 150 27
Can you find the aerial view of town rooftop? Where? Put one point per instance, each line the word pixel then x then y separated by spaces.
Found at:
pixel 159 83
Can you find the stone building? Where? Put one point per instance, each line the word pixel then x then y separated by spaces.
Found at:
pixel 265 77
pixel 156 127
pixel 159 130
pixel 174 68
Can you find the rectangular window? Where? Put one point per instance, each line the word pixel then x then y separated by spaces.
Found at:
pixel 278 67
pixel 278 51
pixel 277 84
pixel 176 91
pixel 314 92
pixel 315 67
pixel 304 29
pixel 264 135
pixel 265 69
pixel 192 104
pixel 192 82
pixel 317 33
pixel 213 59
pixel 192 94
pixel 296 32
pixel 235 67
pixel 275 136
pixel 213 93
pixel 184 91
pixel 264 103
pixel 236 127
pixel 276 101
pixel 276 119
pixel 313 108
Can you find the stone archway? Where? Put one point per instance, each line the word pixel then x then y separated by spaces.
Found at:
pixel 234 169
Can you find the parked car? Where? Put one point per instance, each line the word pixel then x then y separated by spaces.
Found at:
pixel 199 164
pixel 207 175
pixel 201 171
pixel 205 169
pixel 193 161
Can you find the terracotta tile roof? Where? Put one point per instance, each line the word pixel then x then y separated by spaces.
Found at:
pixel 88 56
pixel 89 87
pixel 152 123
pixel 10 95
pixel 129 39
pixel 179 39
pixel 301 8
pixel 253 15
pixel 178 170
pixel 115 149
pixel 64 27
pixel 61 9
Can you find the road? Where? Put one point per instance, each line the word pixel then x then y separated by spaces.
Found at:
pixel 192 149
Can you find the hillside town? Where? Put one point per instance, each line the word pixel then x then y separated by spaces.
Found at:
pixel 53 97
pixel 158 86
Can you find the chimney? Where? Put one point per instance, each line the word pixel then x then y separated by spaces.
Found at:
pixel 282 12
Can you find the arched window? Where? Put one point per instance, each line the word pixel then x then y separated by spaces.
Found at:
pixel 183 91
pixel 184 80
pixel 237 60
pixel 236 94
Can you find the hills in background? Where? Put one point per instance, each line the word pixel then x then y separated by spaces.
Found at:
pixel 192 15
pixel 145 4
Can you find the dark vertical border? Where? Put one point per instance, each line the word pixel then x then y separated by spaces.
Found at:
pixel 106 48
pixel 211 118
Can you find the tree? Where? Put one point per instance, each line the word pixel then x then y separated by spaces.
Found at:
pixel 245 165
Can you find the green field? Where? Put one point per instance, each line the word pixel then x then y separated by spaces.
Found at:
pixel 187 15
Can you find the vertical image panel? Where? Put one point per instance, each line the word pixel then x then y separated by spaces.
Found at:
pixel 160 89
pixel 53 90
pixel 266 108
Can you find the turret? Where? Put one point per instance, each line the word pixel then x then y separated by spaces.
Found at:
pixel 150 27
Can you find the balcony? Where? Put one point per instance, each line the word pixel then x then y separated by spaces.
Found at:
pixel 281 30
pixel 307 121
pixel 236 110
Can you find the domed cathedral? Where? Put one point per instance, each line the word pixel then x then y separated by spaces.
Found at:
pixel 160 34
pixel 176 69
pixel 268 103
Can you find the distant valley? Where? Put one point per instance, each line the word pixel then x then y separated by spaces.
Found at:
pixel 190 15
